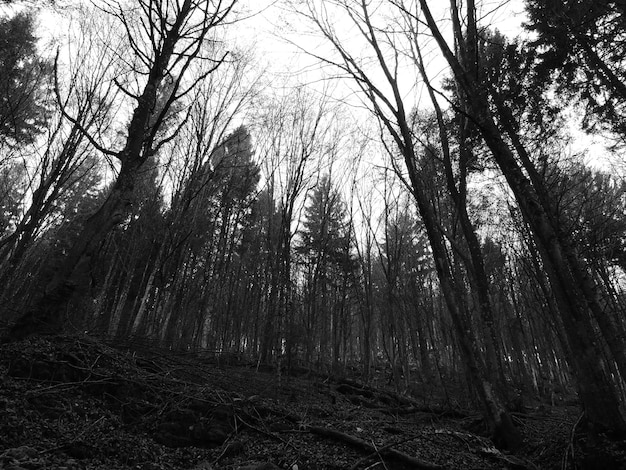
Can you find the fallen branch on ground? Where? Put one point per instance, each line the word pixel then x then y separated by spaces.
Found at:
pixel 387 452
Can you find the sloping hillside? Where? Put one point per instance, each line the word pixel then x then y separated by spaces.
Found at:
pixel 74 403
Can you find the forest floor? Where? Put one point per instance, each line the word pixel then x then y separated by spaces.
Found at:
pixel 76 403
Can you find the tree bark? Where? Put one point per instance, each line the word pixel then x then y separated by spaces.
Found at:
pixel 46 315
pixel 569 279
pixel 570 285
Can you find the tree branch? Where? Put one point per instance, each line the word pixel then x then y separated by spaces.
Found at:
pixel 73 120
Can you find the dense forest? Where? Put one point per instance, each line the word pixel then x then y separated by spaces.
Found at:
pixel 424 199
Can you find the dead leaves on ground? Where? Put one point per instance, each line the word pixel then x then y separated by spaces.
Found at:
pixel 77 403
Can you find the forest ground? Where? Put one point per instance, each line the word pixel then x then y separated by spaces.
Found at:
pixel 71 402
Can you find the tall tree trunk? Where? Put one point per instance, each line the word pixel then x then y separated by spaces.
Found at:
pixel 571 286
pixel 47 311
pixel 570 282
pixel 46 315
pixel 497 417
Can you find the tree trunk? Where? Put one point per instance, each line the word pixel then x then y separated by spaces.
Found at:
pixel 497 417
pixel 46 315
pixel 48 310
pixel 571 287
pixel 569 279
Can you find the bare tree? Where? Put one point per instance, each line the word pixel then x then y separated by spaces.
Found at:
pixel 60 162
pixel 386 101
pixel 192 165
pixel 294 131
pixel 164 39
pixel 571 282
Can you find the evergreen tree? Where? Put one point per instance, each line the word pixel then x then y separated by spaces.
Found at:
pixel 582 44
pixel 325 234
pixel 23 82
pixel 328 266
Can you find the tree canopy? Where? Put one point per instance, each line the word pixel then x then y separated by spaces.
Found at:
pixel 420 201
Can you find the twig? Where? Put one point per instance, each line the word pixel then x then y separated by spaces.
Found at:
pixel 387 446
pixel 270 434
pixel 61 385
pixel 360 443
pixel 382 460
pixel 83 431
pixel 570 445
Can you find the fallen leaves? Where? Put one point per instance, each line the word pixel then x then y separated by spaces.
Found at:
pixel 77 403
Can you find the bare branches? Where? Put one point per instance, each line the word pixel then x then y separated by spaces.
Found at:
pixel 353 66
pixel 75 121
pixel 159 42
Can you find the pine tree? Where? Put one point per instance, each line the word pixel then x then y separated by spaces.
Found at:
pixel 23 82
pixel 328 266
pixel 325 235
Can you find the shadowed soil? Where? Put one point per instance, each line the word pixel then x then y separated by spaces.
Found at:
pixel 77 403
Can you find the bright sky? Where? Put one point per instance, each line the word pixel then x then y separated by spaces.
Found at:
pixel 267 30
pixel 282 39
pixel 266 24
